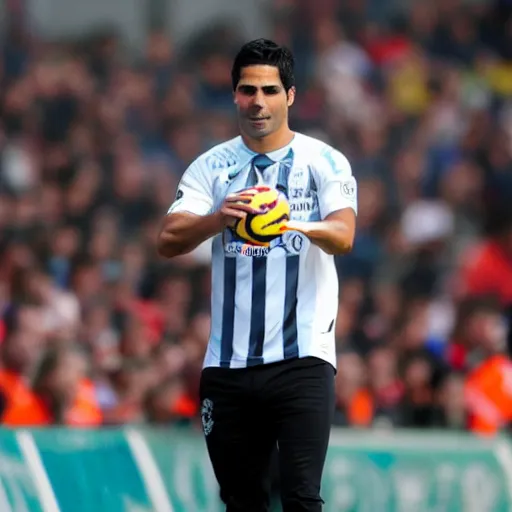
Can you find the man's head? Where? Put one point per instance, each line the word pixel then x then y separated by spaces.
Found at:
pixel 264 87
pixel 24 338
pixel 480 325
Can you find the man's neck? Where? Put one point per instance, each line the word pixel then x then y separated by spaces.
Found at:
pixel 271 143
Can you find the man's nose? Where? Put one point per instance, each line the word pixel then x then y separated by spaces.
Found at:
pixel 258 99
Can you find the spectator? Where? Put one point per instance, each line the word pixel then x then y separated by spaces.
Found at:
pixel 64 395
pixel 354 404
pixel 20 351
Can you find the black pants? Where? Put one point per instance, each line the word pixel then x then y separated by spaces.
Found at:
pixel 248 412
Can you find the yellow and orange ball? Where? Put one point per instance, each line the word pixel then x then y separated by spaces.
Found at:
pixel 261 228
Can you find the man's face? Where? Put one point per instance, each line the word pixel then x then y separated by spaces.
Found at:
pixel 262 101
pixel 487 330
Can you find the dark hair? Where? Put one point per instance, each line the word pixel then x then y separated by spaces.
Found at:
pixel 471 306
pixel 49 362
pixel 265 52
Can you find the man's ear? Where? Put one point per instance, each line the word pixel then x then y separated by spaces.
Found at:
pixel 291 96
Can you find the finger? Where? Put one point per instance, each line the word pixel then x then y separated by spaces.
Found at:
pixel 240 198
pixel 244 208
pixel 287 226
pixel 231 212
pixel 247 193
pixel 255 190
pixel 292 225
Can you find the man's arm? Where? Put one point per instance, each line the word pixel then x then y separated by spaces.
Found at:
pixel 183 231
pixel 335 234
pixel 337 201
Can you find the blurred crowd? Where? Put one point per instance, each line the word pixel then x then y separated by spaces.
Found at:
pixel 96 329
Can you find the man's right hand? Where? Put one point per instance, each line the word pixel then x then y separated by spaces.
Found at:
pixel 236 206
pixel 181 232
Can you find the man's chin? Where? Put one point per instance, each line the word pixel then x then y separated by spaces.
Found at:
pixel 258 133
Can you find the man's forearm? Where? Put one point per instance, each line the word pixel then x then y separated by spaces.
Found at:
pixel 333 236
pixel 183 232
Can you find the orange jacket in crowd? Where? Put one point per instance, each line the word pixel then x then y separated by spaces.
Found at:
pixel 488 393
pixel 25 408
pixel 360 409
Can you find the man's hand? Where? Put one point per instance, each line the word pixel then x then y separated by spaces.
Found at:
pixel 236 206
pixel 182 232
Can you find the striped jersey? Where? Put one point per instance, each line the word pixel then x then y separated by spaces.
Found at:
pixel 280 302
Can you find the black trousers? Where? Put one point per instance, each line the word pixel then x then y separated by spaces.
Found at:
pixel 249 412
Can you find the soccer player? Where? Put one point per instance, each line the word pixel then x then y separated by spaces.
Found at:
pixel 268 375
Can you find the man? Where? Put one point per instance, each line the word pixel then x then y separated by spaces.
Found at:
pixel 487 267
pixel 268 375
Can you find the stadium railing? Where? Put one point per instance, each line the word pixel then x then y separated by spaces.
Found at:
pixel 167 470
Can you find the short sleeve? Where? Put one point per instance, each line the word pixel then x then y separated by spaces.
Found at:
pixel 194 192
pixel 337 187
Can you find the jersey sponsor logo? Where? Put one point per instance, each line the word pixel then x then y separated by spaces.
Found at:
pixel 291 242
pixel 243 249
pixel 296 193
pixel 306 205
pixel 349 188
pixel 303 200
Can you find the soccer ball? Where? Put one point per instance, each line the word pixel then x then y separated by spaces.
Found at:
pixel 261 228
